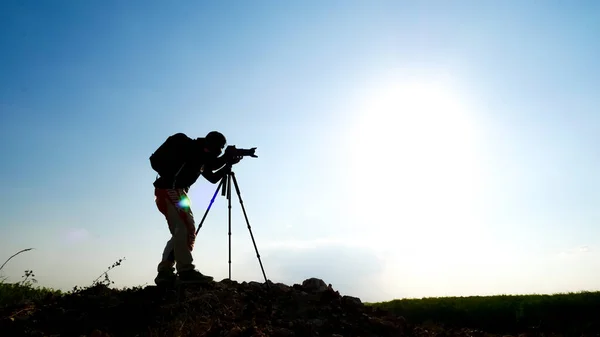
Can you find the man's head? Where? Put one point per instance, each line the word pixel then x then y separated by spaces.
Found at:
pixel 214 143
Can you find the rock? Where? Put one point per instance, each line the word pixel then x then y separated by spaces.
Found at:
pixel 316 322
pixel 235 332
pixel 282 332
pixel 314 285
pixel 255 284
pixel 282 287
pixel 349 300
pixel 98 333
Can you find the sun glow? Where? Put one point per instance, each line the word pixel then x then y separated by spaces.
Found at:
pixel 414 167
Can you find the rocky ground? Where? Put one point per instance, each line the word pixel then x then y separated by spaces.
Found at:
pixel 225 308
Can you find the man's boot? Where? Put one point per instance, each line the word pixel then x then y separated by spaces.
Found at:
pixel 165 278
pixel 194 276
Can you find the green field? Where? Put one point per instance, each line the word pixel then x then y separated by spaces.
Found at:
pixel 571 314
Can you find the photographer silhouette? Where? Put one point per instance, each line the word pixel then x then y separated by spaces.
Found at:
pixel 179 162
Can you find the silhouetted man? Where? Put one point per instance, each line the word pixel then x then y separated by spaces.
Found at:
pixel 180 161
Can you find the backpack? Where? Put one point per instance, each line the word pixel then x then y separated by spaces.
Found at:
pixel 167 160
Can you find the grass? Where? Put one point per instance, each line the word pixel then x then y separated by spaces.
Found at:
pixel 23 292
pixel 26 292
pixel 567 313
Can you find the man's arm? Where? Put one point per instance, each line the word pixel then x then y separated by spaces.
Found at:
pixel 215 177
pixel 219 162
pixel 228 157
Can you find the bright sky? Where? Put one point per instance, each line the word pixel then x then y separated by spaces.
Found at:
pixel 405 149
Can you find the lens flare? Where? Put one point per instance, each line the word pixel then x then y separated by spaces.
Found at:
pixel 184 202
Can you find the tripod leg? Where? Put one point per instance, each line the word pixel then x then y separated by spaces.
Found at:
pixel 249 228
pixel 209 205
pixel 229 210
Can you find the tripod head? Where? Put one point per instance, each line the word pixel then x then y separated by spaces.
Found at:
pixel 226 178
pixel 234 152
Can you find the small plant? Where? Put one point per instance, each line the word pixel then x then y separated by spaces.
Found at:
pixel 28 279
pixel 107 281
pixel 4 278
pixel 23 292
pixel 15 254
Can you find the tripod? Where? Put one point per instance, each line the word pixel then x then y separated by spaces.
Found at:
pixel 226 185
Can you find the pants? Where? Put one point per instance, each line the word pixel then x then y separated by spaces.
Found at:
pixel 175 205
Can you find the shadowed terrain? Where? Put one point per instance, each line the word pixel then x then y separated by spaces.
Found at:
pixel 225 308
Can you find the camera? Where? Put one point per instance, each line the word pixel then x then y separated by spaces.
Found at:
pixel 232 151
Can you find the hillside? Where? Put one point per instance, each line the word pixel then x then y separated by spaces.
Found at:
pixel 225 308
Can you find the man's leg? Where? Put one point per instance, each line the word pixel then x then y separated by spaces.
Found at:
pixel 168 257
pixel 177 210
pixel 174 204
pixel 166 267
pixel 184 236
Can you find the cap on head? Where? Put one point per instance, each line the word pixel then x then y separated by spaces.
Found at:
pixel 215 140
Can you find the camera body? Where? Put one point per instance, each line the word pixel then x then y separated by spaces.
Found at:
pixel 233 152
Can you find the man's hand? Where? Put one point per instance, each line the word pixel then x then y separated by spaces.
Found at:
pixel 235 160
pixel 225 169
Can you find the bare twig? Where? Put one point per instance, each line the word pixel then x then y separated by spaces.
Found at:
pixel 19 252
pixel 29 310
pixel 107 280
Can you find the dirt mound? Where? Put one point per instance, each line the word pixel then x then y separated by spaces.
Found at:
pixel 225 308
